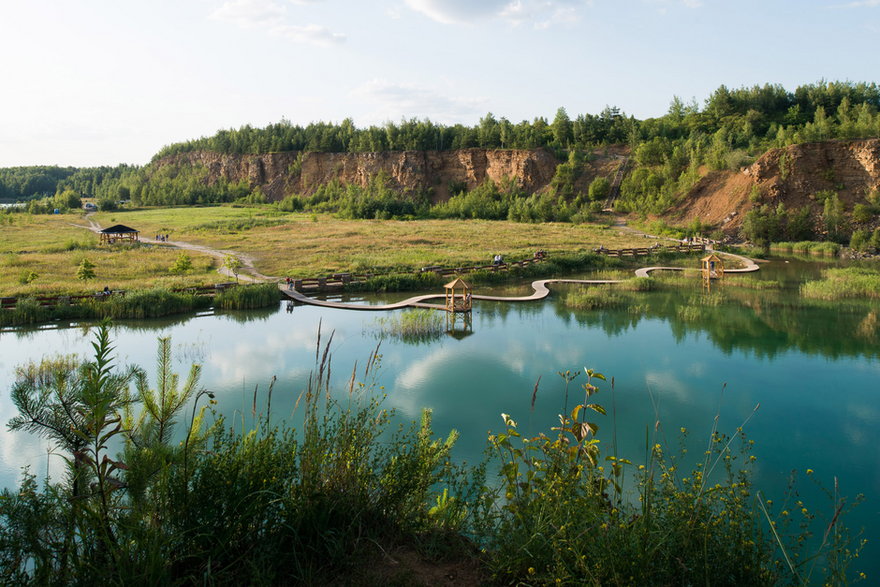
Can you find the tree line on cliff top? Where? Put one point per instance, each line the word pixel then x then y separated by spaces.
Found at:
pixel 748 117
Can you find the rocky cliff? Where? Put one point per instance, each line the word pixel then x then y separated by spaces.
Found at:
pixel 280 174
pixel 792 176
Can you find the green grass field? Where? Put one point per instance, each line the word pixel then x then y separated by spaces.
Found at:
pixel 278 243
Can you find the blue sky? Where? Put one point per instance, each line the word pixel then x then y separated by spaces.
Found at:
pixel 95 82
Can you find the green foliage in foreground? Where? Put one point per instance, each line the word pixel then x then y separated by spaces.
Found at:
pixel 843 283
pixel 324 502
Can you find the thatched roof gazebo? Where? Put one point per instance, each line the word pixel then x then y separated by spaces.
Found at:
pixel 119 232
pixel 458 296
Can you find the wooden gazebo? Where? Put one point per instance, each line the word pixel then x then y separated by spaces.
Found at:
pixel 712 267
pixel 458 296
pixel 119 232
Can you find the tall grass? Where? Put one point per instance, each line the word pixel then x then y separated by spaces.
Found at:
pixel 248 297
pixel 600 297
pixel 146 303
pixel 419 325
pixel 820 248
pixel 844 283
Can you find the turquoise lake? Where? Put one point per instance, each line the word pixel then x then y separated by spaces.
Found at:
pixel 814 370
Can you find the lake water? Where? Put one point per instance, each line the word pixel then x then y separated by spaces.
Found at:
pixel 815 372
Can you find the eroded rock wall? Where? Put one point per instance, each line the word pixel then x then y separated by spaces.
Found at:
pixel 280 174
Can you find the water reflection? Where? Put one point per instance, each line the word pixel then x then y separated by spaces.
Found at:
pixel 813 367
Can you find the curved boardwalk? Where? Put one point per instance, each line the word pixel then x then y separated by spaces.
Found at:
pixel 539 291
pixel 539 287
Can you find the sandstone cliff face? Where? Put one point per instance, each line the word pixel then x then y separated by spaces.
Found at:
pixel 850 168
pixel 280 174
pixel 792 176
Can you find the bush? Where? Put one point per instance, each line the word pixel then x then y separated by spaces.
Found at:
pixel 599 188
pixel 860 240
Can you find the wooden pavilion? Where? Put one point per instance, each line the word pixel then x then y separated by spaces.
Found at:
pixel 458 296
pixel 119 232
pixel 711 267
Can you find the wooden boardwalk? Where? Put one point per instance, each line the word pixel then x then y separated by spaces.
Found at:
pixel 539 291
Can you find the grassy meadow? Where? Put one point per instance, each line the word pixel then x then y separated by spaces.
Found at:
pixel 40 255
pixel 278 243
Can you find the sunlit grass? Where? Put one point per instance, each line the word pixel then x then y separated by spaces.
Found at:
pixel 308 245
pixel 844 283
pixel 280 243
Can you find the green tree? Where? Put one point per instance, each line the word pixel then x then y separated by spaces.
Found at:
pixel 78 407
pixel 232 264
pixel 561 128
pixel 599 189
pixel 85 270
pixel 182 264
pixel 834 219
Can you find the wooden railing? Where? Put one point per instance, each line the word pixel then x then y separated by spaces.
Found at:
pixel 644 251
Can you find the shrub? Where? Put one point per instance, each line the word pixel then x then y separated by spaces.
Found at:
pixel 599 188
pixel 85 270
pixel 182 264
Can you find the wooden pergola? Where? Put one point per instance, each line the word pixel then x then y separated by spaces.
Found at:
pixel 458 296
pixel 119 232
pixel 712 267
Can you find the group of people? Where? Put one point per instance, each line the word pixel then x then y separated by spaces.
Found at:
pixel 289 282
pixel 497 260
pixel 162 237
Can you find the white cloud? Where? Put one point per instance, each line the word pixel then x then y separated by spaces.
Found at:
pixel 664 5
pixel 251 13
pixel 313 34
pixel 403 100
pixel 457 11
pixel 539 13
pixel 863 3
pixel 542 14
pixel 272 17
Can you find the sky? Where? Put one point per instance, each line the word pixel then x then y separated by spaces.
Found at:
pixel 102 82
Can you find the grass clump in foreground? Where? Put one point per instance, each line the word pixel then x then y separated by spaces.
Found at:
pixel 844 283
pixel 326 502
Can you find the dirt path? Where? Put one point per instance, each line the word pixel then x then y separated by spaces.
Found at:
pixel 247 272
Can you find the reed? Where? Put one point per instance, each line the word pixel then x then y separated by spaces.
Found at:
pixel 844 283
pixel 419 325
pixel 248 297
pixel 602 297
